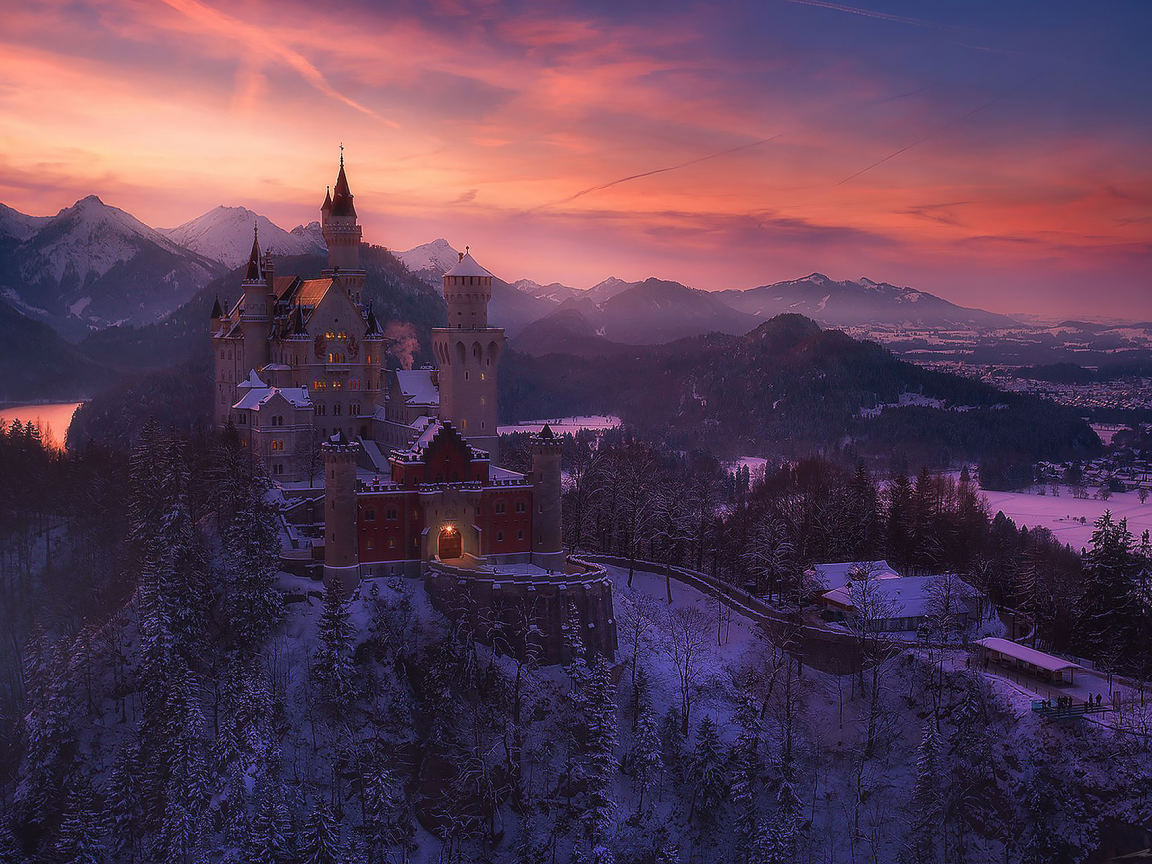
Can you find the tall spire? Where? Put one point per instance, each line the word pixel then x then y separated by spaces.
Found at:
pixel 341 194
pixel 327 205
pixel 254 269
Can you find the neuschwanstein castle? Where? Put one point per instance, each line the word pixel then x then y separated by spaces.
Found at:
pixel 409 458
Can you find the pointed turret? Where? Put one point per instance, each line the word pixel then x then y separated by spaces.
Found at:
pixel 217 312
pixel 373 324
pixel 326 207
pixel 255 272
pixel 298 328
pixel 342 195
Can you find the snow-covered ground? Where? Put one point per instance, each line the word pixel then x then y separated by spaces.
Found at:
pixel 1062 515
pixel 562 425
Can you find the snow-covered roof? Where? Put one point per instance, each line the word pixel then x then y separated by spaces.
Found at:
pixel 275 367
pixel 498 473
pixel 417 386
pixel 908 596
pixel 253 380
pixel 836 575
pixel 255 397
pixel 1029 655
pixel 467 266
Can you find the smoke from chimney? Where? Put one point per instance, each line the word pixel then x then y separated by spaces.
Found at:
pixel 406 344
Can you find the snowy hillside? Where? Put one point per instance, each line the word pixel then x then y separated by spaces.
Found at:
pixel 17 225
pixel 224 234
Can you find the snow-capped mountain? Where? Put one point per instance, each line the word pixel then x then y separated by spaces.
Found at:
pixel 430 260
pixel 224 234
pixel 863 302
pixel 554 291
pixel 609 288
pixel 312 233
pixel 17 226
pixel 92 265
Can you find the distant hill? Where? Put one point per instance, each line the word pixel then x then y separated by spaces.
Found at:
pixel 655 311
pixel 855 304
pixel 565 331
pixel 35 363
pixel 789 386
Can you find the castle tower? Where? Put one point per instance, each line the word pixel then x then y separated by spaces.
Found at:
pixel 468 353
pixel 547 535
pixel 341 544
pixel 342 234
pixel 256 319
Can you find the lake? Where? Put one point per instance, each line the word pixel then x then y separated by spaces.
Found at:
pixel 52 418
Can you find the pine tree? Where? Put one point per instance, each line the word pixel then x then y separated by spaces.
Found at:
pixel 79 839
pixel 268 831
pixel 252 602
pixel 708 770
pixel 321 837
pixel 745 761
pixel 674 743
pixel 332 660
pixel 924 809
pixel 647 762
pixel 380 827
pixel 598 764
pixel 124 803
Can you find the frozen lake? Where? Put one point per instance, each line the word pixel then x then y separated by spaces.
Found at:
pixel 562 425
pixel 52 418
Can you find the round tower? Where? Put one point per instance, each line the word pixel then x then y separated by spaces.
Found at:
pixel 547 533
pixel 341 543
pixel 468 354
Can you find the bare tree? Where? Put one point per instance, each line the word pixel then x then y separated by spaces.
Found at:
pixel 688 645
pixel 872 608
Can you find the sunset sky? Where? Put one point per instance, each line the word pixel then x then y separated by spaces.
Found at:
pixel 996 153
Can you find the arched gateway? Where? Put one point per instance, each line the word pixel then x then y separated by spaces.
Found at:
pixel 448 544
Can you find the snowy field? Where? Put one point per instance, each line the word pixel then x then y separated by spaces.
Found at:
pixel 562 425
pixel 1062 515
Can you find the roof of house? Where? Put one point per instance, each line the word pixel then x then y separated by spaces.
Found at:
pixel 252 381
pixel 467 266
pixel 255 398
pixel 417 386
pixel 1017 651
pixel 836 575
pixel 908 596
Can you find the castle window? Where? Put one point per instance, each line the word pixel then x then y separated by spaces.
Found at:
pixel 465 376
pixel 391 513
pixel 519 535
pixel 371 544
pixel 277 469
pixel 501 508
pixel 321 410
pixel 520 508
pixel 391 542
pixel 499 536
pixel 336 410
pixel 277 444
pixel 370 514
pixel 354 408
pixel 337 384
pixel 355 383
pixel 319 384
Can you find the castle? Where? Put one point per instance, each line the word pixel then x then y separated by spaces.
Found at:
pixel 408 458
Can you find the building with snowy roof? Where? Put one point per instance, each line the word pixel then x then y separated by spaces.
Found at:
pixel 1013 655
pixel 903 603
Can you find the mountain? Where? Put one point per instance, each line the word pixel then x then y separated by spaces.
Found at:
pixel 565 331
pixel 224 234
pixel 430 261
pixel 607 289
pixel 313 234
pixel 655 311
pixel 855 304
pixel 553 291
pixel 791 387
pixel 18 226
pixel 92 265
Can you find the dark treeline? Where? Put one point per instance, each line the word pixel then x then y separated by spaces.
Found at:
pixel 630 499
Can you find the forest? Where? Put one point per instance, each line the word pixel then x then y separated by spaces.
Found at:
pixel 167 695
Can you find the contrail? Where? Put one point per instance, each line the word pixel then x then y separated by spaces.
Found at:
pixel 229 27
pixel 945 127
pixel 698 159
pixel 869 13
